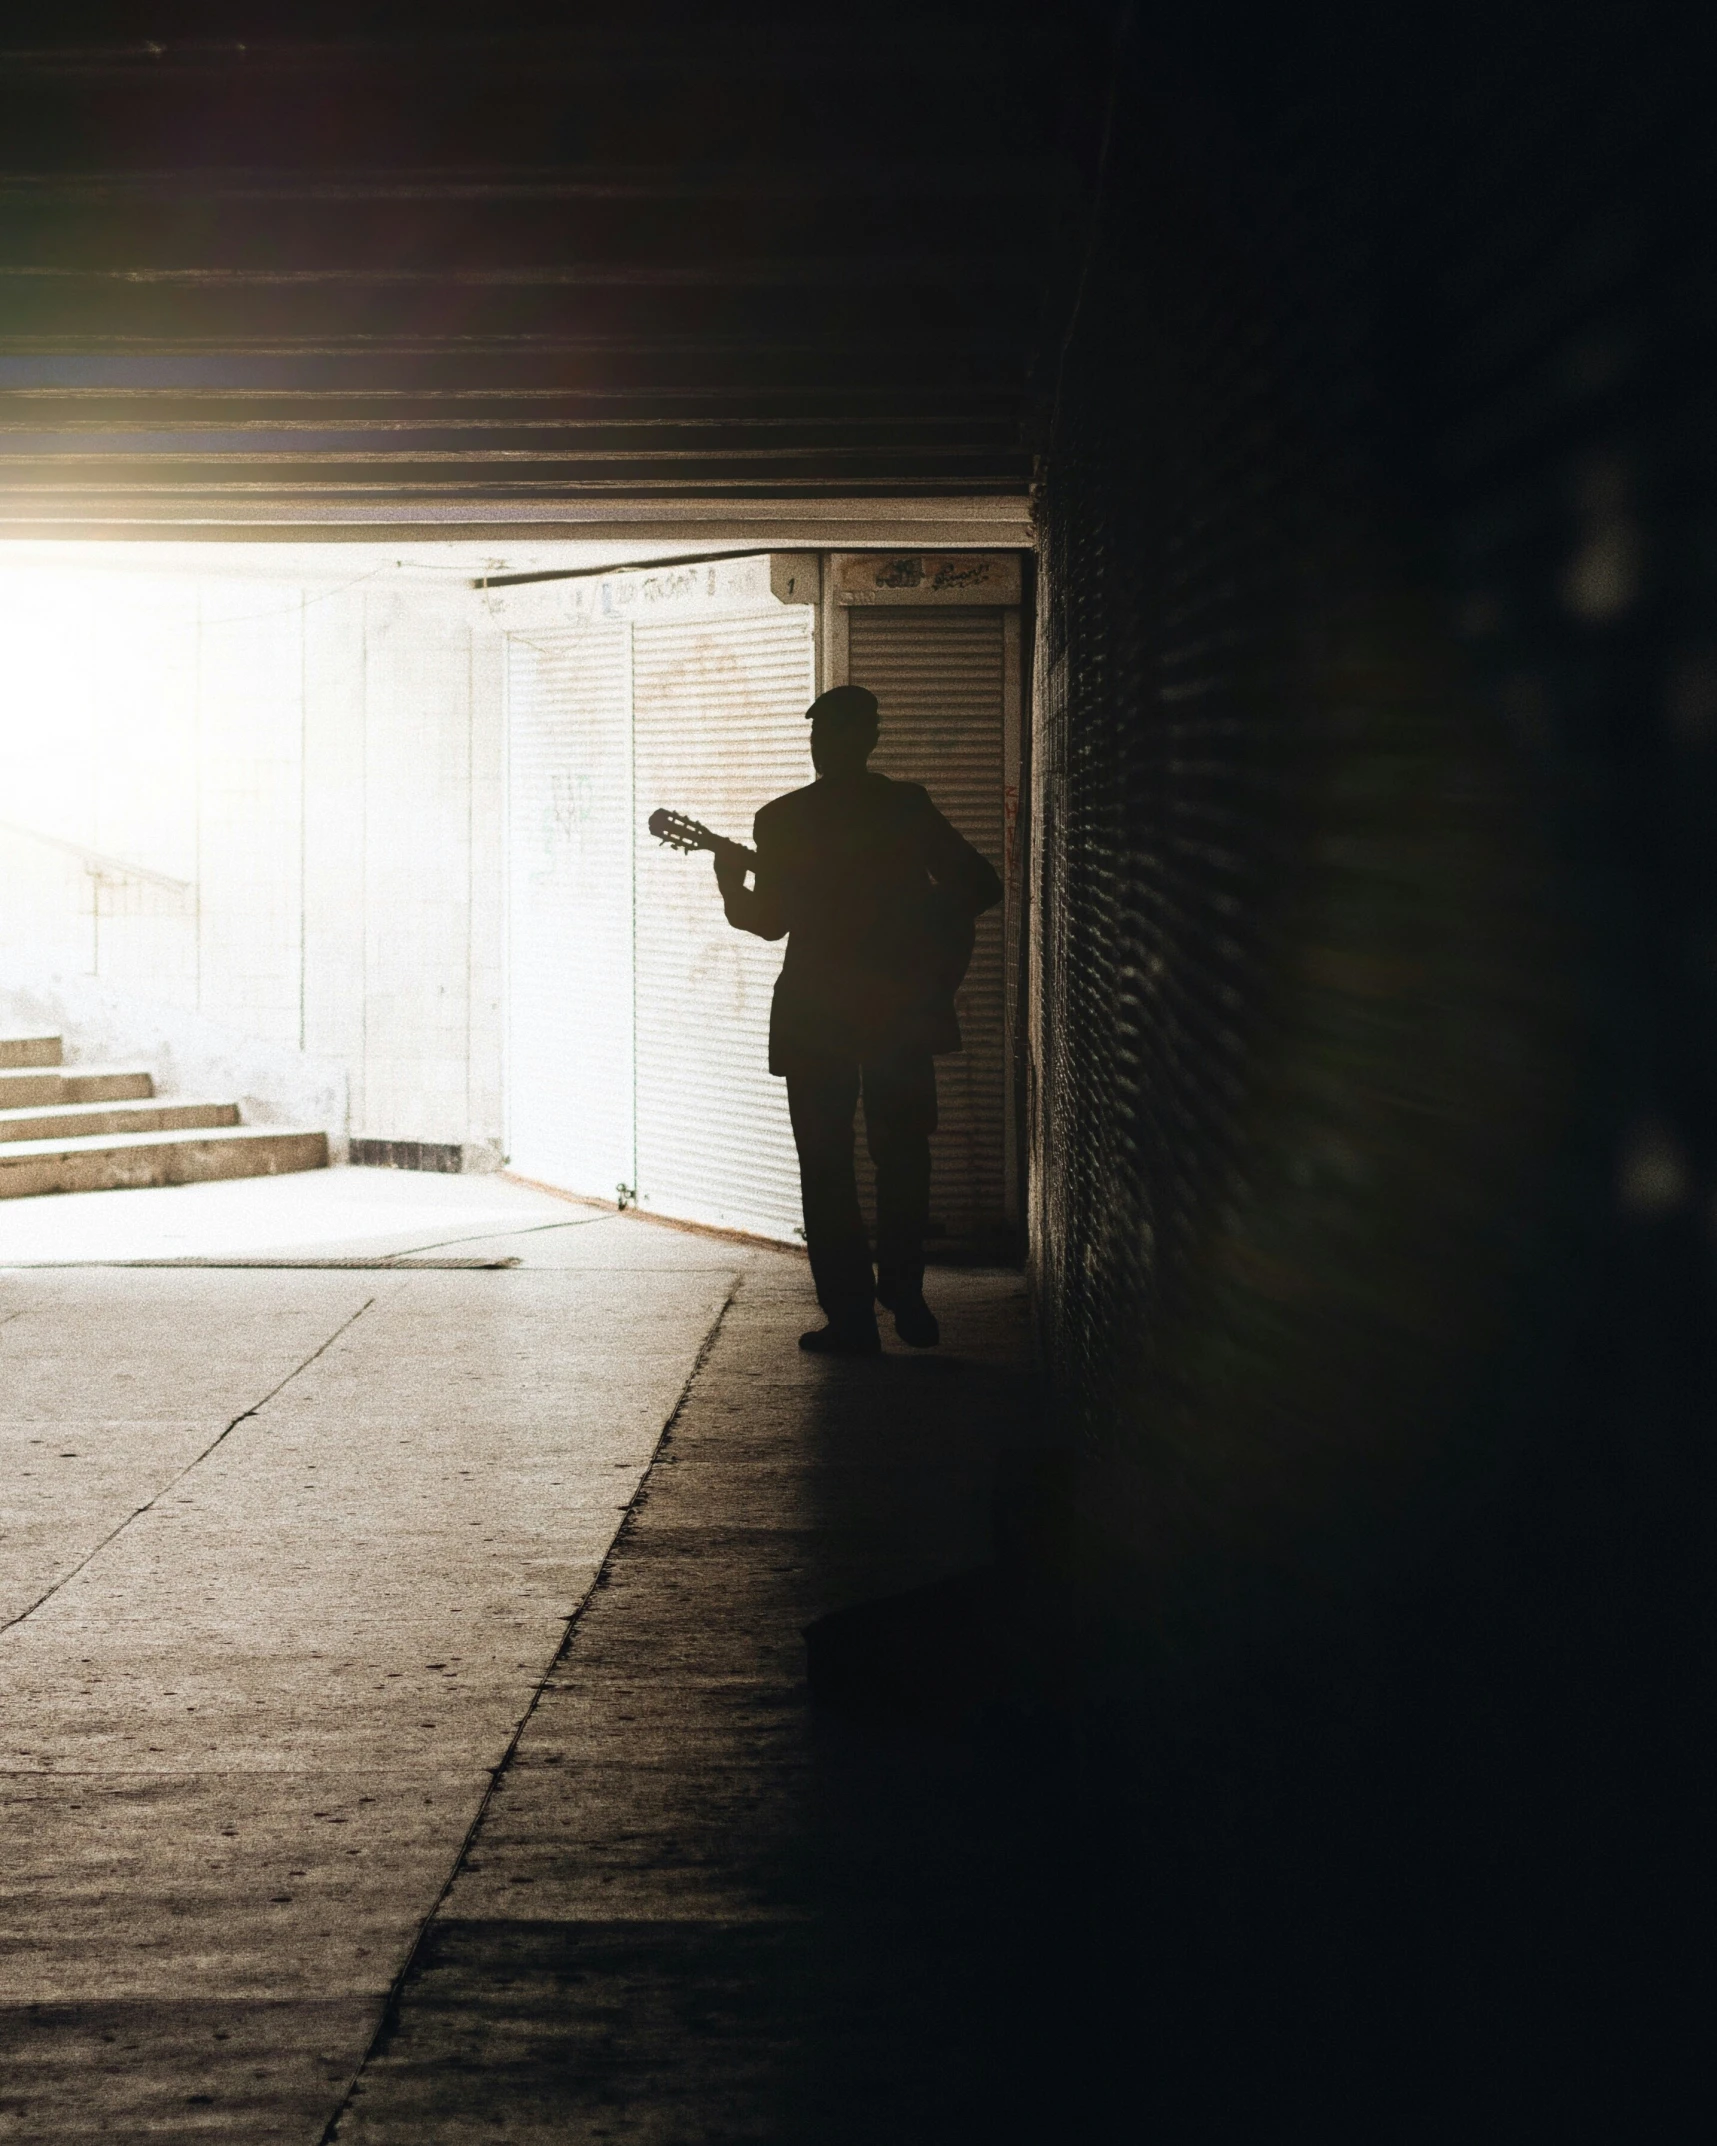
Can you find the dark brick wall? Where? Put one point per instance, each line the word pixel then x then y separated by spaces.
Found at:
pixel 1373 1047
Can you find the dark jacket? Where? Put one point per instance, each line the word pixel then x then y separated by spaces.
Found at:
pixel 875 893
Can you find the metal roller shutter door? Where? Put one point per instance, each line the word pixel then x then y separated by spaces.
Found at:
pixel 938 675
pixel 570 909
pixel 718 711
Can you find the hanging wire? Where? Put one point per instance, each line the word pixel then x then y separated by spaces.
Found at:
pixel 246 618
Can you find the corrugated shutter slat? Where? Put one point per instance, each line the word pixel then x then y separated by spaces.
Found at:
pixel 719 710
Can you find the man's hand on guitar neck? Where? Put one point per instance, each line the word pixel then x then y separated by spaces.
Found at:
pixel 731 865
pixel 752 909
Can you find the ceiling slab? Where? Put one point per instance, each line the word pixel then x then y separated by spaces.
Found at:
pixel 404 273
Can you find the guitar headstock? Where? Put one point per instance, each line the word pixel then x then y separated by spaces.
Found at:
pixel 679 831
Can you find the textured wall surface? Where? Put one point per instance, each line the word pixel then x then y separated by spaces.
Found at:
pixel 312 770
pixel 1372 758
pixel 1373 1086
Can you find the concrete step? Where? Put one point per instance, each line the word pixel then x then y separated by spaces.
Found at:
pixel 73 1121
pixel 30 1050
pixel 108 1162
pixel 22 1086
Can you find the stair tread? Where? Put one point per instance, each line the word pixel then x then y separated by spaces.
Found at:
pixel 181 1136
pixel 20 1113
pixel 77 1072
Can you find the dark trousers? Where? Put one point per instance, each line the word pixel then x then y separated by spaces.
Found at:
pixel 899 1117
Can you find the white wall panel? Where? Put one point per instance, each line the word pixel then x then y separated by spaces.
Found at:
pixel 486 976
pixel 249 740
pixel 335 835
pixel 97 746
pixel 570 816
pixel 417 744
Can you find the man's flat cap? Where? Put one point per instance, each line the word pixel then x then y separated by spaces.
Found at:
pixel 843 704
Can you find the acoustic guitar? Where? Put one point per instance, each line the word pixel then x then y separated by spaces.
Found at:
pixel 949 929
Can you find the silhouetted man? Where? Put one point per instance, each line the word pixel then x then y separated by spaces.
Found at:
pixel 875 893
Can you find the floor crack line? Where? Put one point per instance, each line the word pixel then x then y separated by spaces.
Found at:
pixel 390 2009
pixel 149 1504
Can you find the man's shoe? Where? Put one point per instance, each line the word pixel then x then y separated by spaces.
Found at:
pixel 915 1322
pixel 847 1337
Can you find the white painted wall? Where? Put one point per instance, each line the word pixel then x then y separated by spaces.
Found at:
pixel 319 762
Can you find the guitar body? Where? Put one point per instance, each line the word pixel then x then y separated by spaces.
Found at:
pixel 949 925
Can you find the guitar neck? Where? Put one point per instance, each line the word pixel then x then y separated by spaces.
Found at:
pixel 679 831
pixel 720 846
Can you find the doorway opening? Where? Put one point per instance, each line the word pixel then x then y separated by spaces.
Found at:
pixel 354 835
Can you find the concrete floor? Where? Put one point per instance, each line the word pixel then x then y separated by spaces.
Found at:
pixel 337 1803
pixel 334 1214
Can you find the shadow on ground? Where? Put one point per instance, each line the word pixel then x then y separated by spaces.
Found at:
pixel 699 1908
